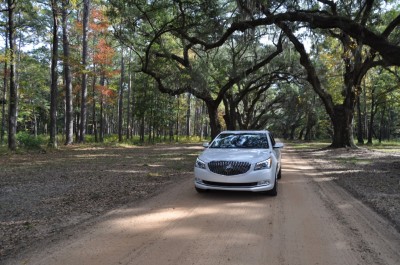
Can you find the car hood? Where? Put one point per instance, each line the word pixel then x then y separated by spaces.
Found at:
pixel 228 154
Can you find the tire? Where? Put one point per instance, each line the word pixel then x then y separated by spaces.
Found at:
pixel 280 173
pixel 274 190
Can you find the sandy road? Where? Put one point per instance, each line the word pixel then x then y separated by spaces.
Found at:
pixel 311 221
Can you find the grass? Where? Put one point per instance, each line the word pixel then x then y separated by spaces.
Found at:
pixel 385 146
pixel 308 145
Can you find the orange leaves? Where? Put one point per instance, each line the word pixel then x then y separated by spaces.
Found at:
pixel 104 53
pixel 98 22
pixel 107 95
pixel 104 90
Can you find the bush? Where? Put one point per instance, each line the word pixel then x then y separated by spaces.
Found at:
pixel 28 141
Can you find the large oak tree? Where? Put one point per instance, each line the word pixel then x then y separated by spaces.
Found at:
pixel 355 31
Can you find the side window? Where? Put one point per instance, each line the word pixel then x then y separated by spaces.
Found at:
pixel 272 140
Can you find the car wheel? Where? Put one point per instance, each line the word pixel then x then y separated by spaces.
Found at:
pixel 280 173
pixel 274 190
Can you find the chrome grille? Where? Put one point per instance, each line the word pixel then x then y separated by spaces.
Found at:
pixel 229 168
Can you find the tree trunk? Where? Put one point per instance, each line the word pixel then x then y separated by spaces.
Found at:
pixel 177 119
pixel 54 78
pixel 230 114
pixel 372 117
pixel 35 126
pixel 214 122
pixel 69 112
pixel 94 116
pixel 86 8
pixel 292 131
pixel 171 120
pixel 133 102
pixel 382 123
pixel 120 97
pixel 13 104
pixel 128 109
pixel 342 127
pixel 142 129
pixel 301 133
pixel 360 139
pixel 188 113
pixel 101 129
pixel 4 99
pixel 311 121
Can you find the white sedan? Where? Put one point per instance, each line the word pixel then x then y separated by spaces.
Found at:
pixel 240 161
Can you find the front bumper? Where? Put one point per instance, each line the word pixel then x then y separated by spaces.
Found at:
pixel 254 181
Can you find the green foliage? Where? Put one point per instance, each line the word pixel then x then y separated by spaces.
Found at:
pixel 385 146
pixel 330 66
pixel 155 32
pixel 28 141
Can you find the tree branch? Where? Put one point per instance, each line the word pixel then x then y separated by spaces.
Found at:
pixel 390 52
pixel 312 76
pixel 249 71
pixel 389 29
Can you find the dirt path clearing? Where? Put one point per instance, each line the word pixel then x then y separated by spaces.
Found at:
pixel 311 221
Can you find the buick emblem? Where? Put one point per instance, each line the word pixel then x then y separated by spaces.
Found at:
pixel 228 168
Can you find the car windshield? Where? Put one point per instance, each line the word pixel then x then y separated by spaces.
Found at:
pixel 242 140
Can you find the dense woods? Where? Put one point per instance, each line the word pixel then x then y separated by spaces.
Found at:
pixel 147 71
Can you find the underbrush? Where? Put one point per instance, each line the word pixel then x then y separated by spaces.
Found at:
pixel 27 143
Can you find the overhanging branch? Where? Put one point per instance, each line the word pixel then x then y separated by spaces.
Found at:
pixel 390 52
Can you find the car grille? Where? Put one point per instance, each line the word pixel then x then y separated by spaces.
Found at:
pixel 229 168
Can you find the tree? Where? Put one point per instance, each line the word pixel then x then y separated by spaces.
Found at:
pixel 69 120
pixel 167 52
pixel 4 98
pixel 54 76
pixel 341 115
pixel 83 116
pixel 297 67
pixel 121 97
pixel 13 98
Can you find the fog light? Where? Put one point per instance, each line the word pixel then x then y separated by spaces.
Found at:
pixel 198 180
pixel 264 182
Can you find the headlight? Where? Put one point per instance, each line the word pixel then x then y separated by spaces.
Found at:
pixel 200 164
pixel 266 164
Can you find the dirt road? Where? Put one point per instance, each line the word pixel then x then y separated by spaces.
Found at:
pixel 311 221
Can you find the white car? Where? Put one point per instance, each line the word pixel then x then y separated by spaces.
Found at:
pixel 240 161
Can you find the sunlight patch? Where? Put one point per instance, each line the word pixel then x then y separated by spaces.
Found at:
pixel 90 156
pixel 324 179
pixel 126 171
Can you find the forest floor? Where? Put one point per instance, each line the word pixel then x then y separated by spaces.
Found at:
pixel 46 194
pixel 372 176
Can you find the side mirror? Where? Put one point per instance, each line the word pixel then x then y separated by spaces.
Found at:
pixel 278 145
pixel 205 145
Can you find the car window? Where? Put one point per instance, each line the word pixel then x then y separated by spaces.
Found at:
pixel 272 139
pixel 243 140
